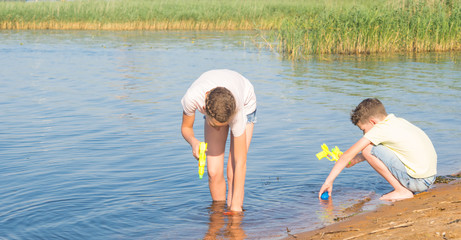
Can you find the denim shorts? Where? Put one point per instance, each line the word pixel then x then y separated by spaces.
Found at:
pixel 397 168
pixel 251 118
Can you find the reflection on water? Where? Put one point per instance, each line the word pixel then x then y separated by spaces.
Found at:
pixel 91 146
pixel 327 212
pixel 227 226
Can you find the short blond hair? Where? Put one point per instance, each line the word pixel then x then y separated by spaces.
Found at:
pixel 370 107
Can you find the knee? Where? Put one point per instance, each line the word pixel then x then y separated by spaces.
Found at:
pixel 230 177
pixel 366 152
pixel 215 175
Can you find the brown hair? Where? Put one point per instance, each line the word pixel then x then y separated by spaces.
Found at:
pixel 220 104
pixel 370 107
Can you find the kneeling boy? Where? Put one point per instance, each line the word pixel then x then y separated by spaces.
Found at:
pixel 398 150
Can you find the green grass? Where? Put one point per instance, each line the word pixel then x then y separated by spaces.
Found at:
pixel 298 28
pixel 145 14
pixel 408 26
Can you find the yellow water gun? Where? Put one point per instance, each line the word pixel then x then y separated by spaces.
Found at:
pixel 201 159
pixel 332 155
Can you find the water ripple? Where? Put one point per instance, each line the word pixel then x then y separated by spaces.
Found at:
pixel 91 145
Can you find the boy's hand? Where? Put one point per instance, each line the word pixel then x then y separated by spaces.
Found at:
pixel 358 158
pixel 196 148
pixel 326 187
pixel 352 163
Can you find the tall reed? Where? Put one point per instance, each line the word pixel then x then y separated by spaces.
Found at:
pixel 401 26
pixel 144 14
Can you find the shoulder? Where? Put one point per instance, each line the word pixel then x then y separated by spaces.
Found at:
pixel 193 99
pixel 399 122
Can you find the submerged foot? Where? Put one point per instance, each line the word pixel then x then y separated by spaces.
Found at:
pixel 397 195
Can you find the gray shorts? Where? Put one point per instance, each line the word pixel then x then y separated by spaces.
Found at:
pixel 397 168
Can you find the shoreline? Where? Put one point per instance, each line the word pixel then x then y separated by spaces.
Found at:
pixel 297 29
pixel 435 214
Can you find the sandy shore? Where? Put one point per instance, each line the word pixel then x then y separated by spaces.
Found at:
pixel 435 214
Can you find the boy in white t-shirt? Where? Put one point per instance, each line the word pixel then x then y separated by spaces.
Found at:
pixel 228 101
pixel 398 150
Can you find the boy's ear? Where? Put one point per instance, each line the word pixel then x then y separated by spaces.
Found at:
pixel 373 121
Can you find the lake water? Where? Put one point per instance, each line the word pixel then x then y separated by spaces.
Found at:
pixel 90 133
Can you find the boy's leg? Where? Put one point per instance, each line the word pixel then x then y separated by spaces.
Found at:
pixel 400 192
pixel 230 162
pixel 216 139
pixel 398 169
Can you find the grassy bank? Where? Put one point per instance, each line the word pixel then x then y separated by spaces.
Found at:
pixel 145 14
pixel 380 27
pixel 298 27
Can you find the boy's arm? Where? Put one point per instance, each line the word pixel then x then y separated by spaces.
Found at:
pixel 358 158
pixel 342 162
pixel 187 130
pixel 240 157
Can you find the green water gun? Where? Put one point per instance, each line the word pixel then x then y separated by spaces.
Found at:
pixel 332 155
pixel 201 159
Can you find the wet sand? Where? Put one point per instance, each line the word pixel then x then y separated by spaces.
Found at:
pixel 435 214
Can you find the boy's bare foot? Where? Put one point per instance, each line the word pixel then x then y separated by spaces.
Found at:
pixel 397 195
pixel 232 213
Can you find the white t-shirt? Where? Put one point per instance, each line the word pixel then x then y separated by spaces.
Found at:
pixel 408 142
pixel 238 85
